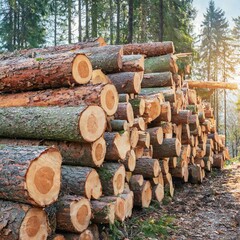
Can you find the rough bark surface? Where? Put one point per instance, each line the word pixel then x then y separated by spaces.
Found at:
pixel 162 79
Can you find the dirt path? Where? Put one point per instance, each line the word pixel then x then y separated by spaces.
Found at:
pixel 208 211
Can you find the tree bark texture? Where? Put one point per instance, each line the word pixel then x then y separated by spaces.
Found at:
pixel 159 79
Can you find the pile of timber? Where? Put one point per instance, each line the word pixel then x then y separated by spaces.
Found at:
pixel 90 131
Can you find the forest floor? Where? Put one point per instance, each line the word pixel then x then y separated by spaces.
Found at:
pixel 207 211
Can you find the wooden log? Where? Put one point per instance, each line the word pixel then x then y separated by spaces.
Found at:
pixel 148 168
pixel 177 131
pixel 55 236
pixel 119 125
pixel 103 212
pixel 163 63
pixel 192 96
pixel 195 174
pixel 180 172
pixel 112 177
pixel 144 139
pixel 128 176
pixel 139 152
pixel 192 108
pixel 170 147
pixel 148 152
pixel 128 199
pixel 172 162
pixel 105 96
pixel 117 145
pixel 123 97
pixel 56 70
pixel 152 108
pixel 193 122
pixel 156 135
pixel 138 105
pixel 168 185
pixel 73 213
pixel 158 79
pixel 107 58
pixel 149 49
pixel 182 117
pixel 134 137
pixel 208 163
pixel 73 153
pixel 135 181
pixel 201 116
pixel 99 77
pixel 140 124
pixel 166 113
pixel 126 82
pixel 158 192
pixel 84 124
pixel 37 172
pixel 218 161
pixel 164 165
pixel 125 112
pixel 167 129
pixel 22 221
pixel 81 181
pixel 130 161
pixel 142 195
pixel 133 63
pixel 212 85
pixel 177 80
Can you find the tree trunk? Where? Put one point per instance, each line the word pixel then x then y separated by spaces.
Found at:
pixel 105 96
pixel 111 21
pixel 56 70
pixel 125 112
pixel 73 213
pixel 170 147
pixel 87 19
pixel 138 105
pixel 118 125
pixel 149 49
pixel 182 117
pixel 37 172
pixel 162 63
pixel 162 79
pixel 69 21
pixel 79 20
pixel 147 167
pixel 133 63
pixel 130 21
pixel 126 82
pixel 94 16
pixel 112 177
pixel 118 22
pixel 117 145
pixel 134 137
pixel 156 135
pixel 140 124
pixel 73 153
pixel 81 181
pixel 21 221
pixel 79 124
pixel 161 21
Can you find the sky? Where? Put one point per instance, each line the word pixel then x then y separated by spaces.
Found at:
pixel 230 7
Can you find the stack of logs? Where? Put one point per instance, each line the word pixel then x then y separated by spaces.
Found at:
pixel 89 131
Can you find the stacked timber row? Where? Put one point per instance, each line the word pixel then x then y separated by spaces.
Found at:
pixel 119 119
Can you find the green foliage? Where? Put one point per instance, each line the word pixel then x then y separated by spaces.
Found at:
pixel 232 161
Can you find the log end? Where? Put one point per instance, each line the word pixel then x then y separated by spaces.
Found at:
pixel 81 69
pixel 122 143
pixel 93 186
pixel 118 180
pixel 109 99
pixel 86 235
pixel 44 177
pixel 146 194
pixel 134 137
pixel 99 151
pixel 34 225
pixel 158 192
pixel 120 209
pixel 137 82
pixel 130 114
pixel 131 160
pixel 99 77
pixel 92 123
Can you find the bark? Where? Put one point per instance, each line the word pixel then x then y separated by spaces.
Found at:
pixel 125 112
pixel 218 161
pixel 143 139
pixel 81 181
pixel 165 115
pixel 170 147
pixel 48 71
pixel 134 137
pixel 130 21
pixel 162 79
pixel 130 161
pixel 182 117
pixel 112 177
pixel 192 108
pixel 168 93
pixel 79 124
pixel 163 63
pixel 156 135
pixel 164 165
pixel 21 221
pixel 195 174
pixel 147 167
pixel 103 212
pixel 73 213
pixel 212 85
pixel 149 49
pixel 105 96
pixel 123 97
pixel 140 124
pixel 36 180
pixel 133 63
pixel 55 236
pixel 107 58
pixel 119 125
pixel 138 106
pixel 126 82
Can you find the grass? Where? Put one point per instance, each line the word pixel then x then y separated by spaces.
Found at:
pixel 232 161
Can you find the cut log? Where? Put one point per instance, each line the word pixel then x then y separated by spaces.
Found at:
pixel 136 181
pixel 170 147
pixel 128 198
pixel 139 152
pixel 73 153
pixel 144 139
pixel 37 172
pixel 164 165
pixel 50 71
pixel 158 192
pixel 142 195
pixel 163 63
pixel 105 96
pixel 156 135
pixel 120 206
pixel 212 85
pixel 166 113
pixel 148 168
pixel 56 237
pixel 149 49
pixel 192 96
pixel 138 105
pixel 126 82
pixel 148 152
pixel 128 176
pixel 192 108
pixel 99 77
pixel 73 213
pixel 119 125
pixel 81 181
pixel 182 117
pixel 125 112
pixel 172 162
pixel 218 161
pixel 21 221
pixel 134 137
pixel 193 122
pixel 133 63
pixel 103 212
pixel 123 97
pixel 140 124
pixel 112 177
pixel 167 128
pixel 130 161
pixel 208 163
pixel 152 108
pixel 158 79
pixel 117 145
pixel 195 174
pixel 80 124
